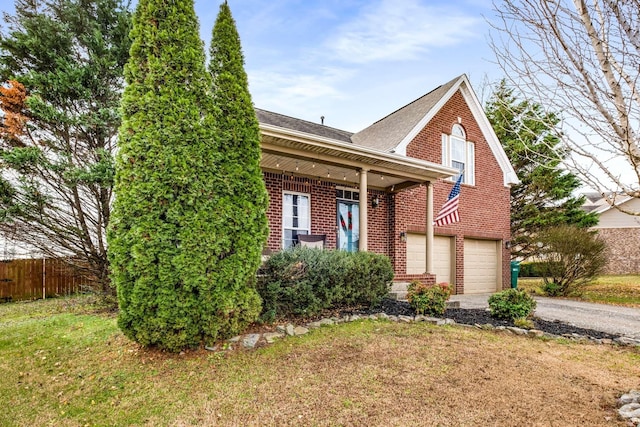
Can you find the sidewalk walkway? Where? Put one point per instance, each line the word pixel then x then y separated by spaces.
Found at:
pixel 600 317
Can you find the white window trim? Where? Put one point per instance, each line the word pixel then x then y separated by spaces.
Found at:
pixel 470 163
pixel 294 193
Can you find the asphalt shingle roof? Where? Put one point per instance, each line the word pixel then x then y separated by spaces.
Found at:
pixel 388 132
pixel 280 120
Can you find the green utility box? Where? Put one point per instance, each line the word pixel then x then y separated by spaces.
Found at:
pixel 515 271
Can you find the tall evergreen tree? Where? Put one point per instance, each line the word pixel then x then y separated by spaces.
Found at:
pixel 241 220
pixel 61 64
pixel 166 250
pixel 544 198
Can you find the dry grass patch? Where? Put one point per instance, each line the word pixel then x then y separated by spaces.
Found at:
pixel 616 290
pixel 69 370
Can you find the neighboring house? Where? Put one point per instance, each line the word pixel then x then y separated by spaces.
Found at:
pixel 401 169
pixel 619 230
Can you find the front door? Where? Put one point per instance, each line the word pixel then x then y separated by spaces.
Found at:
pixel 348 225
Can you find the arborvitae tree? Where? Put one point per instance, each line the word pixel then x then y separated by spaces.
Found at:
pixel 241 221
pixel 544 198
pixel 166 248
pixel 61 64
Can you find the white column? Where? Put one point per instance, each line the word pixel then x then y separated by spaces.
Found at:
pixel 429 240
pixel 364 205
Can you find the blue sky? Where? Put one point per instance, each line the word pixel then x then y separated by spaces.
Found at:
pixel 354 61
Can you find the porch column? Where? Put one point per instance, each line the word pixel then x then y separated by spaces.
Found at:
pixel 429 240
pixel 364 205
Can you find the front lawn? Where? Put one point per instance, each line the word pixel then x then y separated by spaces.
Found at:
pixel 76 368
pixel 618 290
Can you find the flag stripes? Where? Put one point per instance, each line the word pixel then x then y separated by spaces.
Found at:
pixel 449 212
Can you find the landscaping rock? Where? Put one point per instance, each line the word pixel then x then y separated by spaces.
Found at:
pixel 630 410
pixel 271 337
pixel 517 331
pixel 290 330
pixel 327 322
pixel 235 339
pixel 300 330
pixel 632 397
pixel 314 325
pixel 535 333
pixel 393 318
pixel 627 341
pixel 405 319
pixel 250 340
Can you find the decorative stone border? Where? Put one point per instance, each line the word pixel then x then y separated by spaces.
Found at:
pixel 250 341
pixel 630 407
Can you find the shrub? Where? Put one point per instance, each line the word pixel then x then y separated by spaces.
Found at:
pixel 573 257
pixel 524 323
pixel 428 299
pixel 532 269
pixel 511 304
pixel 304 281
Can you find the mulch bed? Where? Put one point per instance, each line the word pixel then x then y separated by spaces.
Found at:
pixel 483 317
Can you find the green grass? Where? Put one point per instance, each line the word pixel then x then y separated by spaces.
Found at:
pixel 63 364
pixel 619 290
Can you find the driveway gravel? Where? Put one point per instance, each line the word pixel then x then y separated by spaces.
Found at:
pixel 623 321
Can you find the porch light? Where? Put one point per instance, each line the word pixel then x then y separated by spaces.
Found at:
pixel 507 244
pixel 375 201
pixel 403 236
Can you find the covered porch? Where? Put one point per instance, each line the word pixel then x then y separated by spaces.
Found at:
pixel 327 170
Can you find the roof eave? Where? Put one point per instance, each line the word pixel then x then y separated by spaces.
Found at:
pixel 355 155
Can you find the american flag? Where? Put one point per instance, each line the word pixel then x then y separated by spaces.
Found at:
pixel 449 212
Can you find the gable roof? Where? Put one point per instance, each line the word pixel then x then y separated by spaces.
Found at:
pixel 394 132
pixel 596 203
pixel 286 122
pixel 388 133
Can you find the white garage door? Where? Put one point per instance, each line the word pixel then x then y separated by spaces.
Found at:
pixel 416 256
pixel 481 266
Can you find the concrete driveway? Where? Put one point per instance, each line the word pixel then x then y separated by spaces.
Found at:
pixel 600 317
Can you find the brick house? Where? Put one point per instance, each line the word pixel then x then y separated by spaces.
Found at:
pixel 620 231
pixel 402 169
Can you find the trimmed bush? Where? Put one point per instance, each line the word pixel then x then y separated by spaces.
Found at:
pixel 304 281
pixel 511 304
pixel 428 299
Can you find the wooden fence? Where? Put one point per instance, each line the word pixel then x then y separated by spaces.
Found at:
pixel 24 279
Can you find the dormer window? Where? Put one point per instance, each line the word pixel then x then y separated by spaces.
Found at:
pixel 459 153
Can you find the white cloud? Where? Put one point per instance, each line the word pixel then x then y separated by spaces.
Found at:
pixel 293 92
pixel 395 30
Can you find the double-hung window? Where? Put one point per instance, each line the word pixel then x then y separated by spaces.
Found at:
pixel 295 217
pixel 459 153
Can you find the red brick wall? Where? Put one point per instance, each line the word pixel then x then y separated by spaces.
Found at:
pixel 324 211
pixel 484 207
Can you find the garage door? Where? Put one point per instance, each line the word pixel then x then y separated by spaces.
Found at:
pixel 416 256
pixel 481 266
